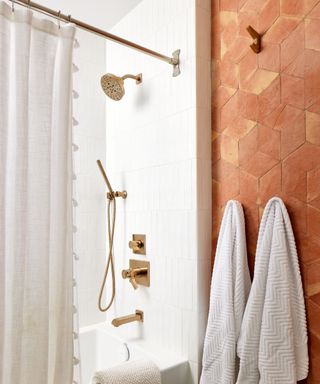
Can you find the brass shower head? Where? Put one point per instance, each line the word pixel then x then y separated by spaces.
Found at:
pixel 113 86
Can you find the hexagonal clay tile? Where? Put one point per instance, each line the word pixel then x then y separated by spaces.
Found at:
pixel 312 77
pixel 221 95
pixel 222 169
pixel 229 74
pixel 291 124
pixel 295 168
pixel 292 46
pixel 229 112
pixel 309 5
pixel 313 188
pixel 296 68
pixel 292 91
pixel 268 15
pixel 253 5
pixel 281 29
pixel 228 188
pixel 259 164
pixel 269 100
pixel 298 215
pixel 238 49
pixel 229 27
pixel 269 141
pixel 292 7
pixel 315 108
pixel 248 105
pixel 228 5
pixel 247 18
pixel 248 187
pixel 247 67
pixel 312 28
pixel 229 149
pixel 269 57
pixel 260 81
pixel 313 279
pixel 239 128
pixel 270 184
pixel 313 220
pixel 270 120
pixel 315 13
pixel 313 127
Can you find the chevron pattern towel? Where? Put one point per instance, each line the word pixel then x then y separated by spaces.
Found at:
pixel 273 340
pixel 229 291
pixel 132 372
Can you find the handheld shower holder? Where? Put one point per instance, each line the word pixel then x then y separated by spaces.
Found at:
pixel 112 195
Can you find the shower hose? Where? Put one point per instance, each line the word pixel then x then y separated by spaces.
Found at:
pixel 110 264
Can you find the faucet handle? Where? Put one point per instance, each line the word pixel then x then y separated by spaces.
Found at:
pixel 132 280
pixel 136 245
pixel 138 273
pixel 126 273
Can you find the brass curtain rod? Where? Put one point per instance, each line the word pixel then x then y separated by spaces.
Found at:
pixel 174 60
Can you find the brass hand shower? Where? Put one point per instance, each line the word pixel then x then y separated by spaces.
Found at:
pixel 111 196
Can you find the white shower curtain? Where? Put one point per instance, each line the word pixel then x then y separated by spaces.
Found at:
pixel 35 199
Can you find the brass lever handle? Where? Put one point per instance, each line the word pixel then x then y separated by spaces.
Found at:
pixel 133 282
pixel 136 245
pixel 132 273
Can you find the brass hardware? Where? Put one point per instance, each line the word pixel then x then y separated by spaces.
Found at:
pixel 138 244
pixel 113 86
pixel 138 273
pixel 138 316
pixel 111 194
pixel 256 45
pixel 137 78
pixel 174 60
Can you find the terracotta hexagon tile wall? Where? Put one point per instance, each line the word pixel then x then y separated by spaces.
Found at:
pixel 266 127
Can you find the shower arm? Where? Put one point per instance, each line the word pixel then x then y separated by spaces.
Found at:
pixel 111 195
pixel 137 78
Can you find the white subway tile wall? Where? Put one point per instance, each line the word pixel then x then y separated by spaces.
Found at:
pixel 89 136
pixel 158 148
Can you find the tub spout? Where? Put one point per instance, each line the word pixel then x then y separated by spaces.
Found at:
pixel 138 316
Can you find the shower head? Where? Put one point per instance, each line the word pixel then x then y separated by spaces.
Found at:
pixel 113 86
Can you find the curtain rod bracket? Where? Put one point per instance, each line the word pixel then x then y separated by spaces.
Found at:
pixel 175 61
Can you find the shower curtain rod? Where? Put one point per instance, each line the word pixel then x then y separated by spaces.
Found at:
pixel 174 60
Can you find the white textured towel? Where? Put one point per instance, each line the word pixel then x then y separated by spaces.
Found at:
pixel 131 372
pixel 273 340
pixel 229 291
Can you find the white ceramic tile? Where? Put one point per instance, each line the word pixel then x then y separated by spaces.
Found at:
pixel 152 144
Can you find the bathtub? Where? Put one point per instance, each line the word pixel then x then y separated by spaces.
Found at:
pixel 102 348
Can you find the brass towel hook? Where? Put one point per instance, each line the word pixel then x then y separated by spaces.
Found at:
pixel 256 45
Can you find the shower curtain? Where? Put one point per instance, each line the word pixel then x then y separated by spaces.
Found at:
pixel 35 199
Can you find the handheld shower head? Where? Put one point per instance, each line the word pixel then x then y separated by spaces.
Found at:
pixel 111 194
pixel 104 175
pixel 113 86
